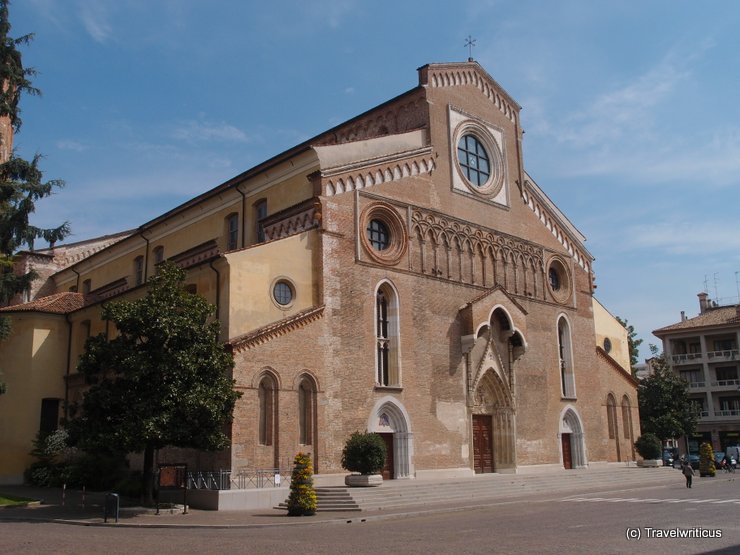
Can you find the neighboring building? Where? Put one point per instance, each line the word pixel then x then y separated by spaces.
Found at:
pixel 704 351
pixel 400 273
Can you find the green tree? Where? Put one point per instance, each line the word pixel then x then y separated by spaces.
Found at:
pixel 632 342
pixel 164 380
pixel 665 407
pixel 21 182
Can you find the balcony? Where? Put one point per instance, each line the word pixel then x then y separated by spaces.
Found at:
pixel 720 416
pixel 720 356
pixel 728 385
pixel 697 385
pixel 686 358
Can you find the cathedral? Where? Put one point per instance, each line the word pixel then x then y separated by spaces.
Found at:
pixel 400 273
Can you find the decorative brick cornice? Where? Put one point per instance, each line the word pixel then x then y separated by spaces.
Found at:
pixel 199 253
pixel 616 366
pixel 456 75
pixel 376 172
pixel 552 222
pixel 296 219
pixel 276 329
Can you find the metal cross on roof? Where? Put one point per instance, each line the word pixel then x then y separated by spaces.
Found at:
pixel 470 43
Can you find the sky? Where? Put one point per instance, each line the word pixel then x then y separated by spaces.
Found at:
pixel 630 110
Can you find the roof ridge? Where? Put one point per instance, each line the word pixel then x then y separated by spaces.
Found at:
pixel 276 329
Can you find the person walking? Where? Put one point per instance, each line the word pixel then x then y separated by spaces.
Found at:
pixel 688 472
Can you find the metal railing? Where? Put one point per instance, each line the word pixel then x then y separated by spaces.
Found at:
pixel 243 478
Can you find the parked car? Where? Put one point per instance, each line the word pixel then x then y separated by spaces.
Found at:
pixel 667 458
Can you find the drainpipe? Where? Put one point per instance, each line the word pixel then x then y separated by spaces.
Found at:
pixel 146 255
pixel 244 216
pixel 218 290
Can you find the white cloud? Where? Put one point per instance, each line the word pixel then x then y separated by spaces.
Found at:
pixel 197 131
pixel 70 144
pixel 95 17
pixel 688 236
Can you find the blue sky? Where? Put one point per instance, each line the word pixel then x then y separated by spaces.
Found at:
pixel 630 110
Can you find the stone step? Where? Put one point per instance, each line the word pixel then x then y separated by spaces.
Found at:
pixel 426 492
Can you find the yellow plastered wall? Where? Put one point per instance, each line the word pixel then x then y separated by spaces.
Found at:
pixel 33 362
pixel 607 326
pixel 253 272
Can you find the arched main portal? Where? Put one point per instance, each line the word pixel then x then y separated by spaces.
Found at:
pixel 572 450
pixel 390 420
pixel 492 425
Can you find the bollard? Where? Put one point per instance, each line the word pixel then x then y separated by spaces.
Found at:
pixel 83 497
pixel 64 492
pixel 111 506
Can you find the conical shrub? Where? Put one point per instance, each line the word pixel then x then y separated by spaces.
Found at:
pixel 302 499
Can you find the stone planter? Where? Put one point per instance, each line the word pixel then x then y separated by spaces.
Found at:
pixel 650 463
pixel 363 480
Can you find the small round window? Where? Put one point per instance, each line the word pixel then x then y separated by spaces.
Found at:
pixel 558 280
pixel 554 278
pixel 283 293
pixel 378 235
pixel 474 160
pixel 607 344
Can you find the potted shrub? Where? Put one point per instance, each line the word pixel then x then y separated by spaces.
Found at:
pixel 302 499
pixel 649 448
pixel 364 455
pixel 706 460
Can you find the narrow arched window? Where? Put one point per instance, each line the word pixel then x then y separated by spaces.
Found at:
pixel 611 416
pixel 306 411
pixel 138 270
pixel 232 231
pixel 627 417
pixel 565 360
pixel 266 407
pixel 260 212
pixel 386 337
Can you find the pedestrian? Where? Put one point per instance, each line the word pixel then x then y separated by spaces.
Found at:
pixel 688 472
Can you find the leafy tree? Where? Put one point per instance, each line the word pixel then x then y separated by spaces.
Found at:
pixel 665 407
pixel 648 446
pixel 164 380
pixel 364 453
pixel 632 342
pixel 21 182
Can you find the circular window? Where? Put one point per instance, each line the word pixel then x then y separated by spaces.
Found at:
pixel 479 160
pixel 474 160
pixel 283 293
pixel 558 281
pixel 384 238
pixel 554 278
pixel 607 344
pixel 378 235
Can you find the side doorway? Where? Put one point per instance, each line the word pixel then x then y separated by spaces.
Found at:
pixel 388 473
pixel 482 443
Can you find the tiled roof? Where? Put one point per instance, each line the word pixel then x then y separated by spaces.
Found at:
pixel 60 303
pixel 721 316
pixel 625 374
pixel 276 329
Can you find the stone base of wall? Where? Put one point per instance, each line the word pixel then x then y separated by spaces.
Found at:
pixel 237 499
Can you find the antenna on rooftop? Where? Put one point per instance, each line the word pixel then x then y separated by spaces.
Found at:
pixel 716 294
pixel 470 43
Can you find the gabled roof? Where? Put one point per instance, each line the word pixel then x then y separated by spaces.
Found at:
pixel 59 303
pixel 721 316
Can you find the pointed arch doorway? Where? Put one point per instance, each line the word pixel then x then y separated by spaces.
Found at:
pixel 571 440
pixel 390 420
pixel 492 426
